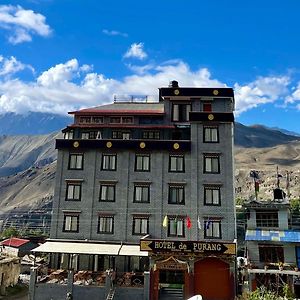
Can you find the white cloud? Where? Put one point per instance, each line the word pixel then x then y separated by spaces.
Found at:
pixel 22 23
pixel 136 50
pixel 70 86
pixel 294 97
pixel 114 33
pixel 261 91
pixel 10 66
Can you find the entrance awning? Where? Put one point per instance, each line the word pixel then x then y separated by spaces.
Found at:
pixel 89 248
pixel 132 250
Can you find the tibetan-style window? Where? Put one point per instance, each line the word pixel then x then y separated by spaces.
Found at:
pixel 176 163
pixel 73 191
pixel 176 194
pixel 107 192
pixel 141 193
pixel 85 120
pixel 140 225
pixel 210 134
pixel 211 163
pixel 71 223
pixel 212 195
pixel 181 112
pixel 142 162
pixel 212 229
pixel 109 162
pixel 176 227
pixel 106 224
pixel 75 161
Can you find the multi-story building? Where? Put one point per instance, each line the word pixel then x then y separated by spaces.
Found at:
pixel 146 185
pixel 273 244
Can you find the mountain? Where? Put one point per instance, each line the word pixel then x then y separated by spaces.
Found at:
pixel 18 153
pixel 260 136
pixel 32 123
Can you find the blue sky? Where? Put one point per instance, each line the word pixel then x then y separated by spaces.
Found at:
pixel 61 55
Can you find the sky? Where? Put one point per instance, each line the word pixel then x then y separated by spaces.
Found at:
pixel 61 55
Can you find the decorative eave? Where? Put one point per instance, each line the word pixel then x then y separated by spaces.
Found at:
pixel 99 112
pixel 119 126
pixel 196 92
pixel 211 117
pixel 114 144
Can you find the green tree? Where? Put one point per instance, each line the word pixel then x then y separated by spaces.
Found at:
pixel 9 232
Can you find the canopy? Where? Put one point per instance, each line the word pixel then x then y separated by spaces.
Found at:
pixel 89 248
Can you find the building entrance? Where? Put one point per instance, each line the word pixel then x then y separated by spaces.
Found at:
pixel 171 277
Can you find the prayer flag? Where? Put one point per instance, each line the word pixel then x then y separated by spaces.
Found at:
pixel 165 222
pixel 188 222
pixel 199 222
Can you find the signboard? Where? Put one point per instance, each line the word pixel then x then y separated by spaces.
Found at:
pixel 186 247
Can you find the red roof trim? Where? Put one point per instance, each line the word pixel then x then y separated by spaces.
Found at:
pixel 14 242
pixel 91 112
pixel 120 126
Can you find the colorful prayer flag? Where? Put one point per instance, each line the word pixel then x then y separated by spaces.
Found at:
pixel 199 222
pixel 165 222
pixel 188 223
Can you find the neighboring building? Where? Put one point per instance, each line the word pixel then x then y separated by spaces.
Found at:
pixel 148 186
pixel 273 243
pixel 16 247
pixel 9 272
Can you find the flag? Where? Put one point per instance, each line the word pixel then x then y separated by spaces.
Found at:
pixel 188 222
pixel 199 222
pixel 175 224
pixel 254 174
pixel 207 224
pixel 165 222
pixel 288 184
pixel 256 186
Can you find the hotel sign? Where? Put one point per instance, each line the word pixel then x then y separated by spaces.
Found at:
pixel 187 247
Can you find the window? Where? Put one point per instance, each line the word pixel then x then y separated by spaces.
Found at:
pixel 142 162
pixel 92 135
pixel 107 192
pixel 127 120
pixel 119 120
pixel 85 135
pixel 211 163
pixel 97 120
pixel 140 225
pixel 69 135
pixel 270 253
pixel 212 195
pixel 181 112
pixel 85 120
pixel 115 120
pixel 122 135
pixel 212 229
pixel 176 194
pixel 106 224
pixel 141 193
pixel 211 135
pixel 266 218
pixel 151 134
pixel 176 227
pixel 73 191
pixel 76 161
pixel 176 163
pixel 109 162
pixel 206 107
pixel 71 223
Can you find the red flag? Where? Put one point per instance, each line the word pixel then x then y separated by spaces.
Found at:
pixel 188 223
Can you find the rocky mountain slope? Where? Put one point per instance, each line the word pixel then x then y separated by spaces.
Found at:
pixel 27 166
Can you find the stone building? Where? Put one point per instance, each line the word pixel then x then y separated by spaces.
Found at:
pixel 148 186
